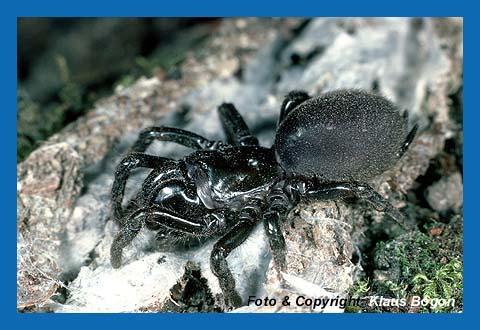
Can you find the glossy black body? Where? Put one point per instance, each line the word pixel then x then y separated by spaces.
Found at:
pixel 324 149
pixel 225 178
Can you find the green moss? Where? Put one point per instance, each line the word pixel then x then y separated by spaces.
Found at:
pixel 425 264
pixel 446 283
pixel 428 266
pixel 126 80
pixel 360 289
pixel 407 255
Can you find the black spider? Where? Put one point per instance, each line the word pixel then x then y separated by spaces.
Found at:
pixel 325 148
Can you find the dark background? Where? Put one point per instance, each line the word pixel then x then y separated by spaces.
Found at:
pixel 66 64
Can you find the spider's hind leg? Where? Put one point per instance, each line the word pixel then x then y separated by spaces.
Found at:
pixel 236 130
pixel 291 101
pixel 408 141
pixel 341 190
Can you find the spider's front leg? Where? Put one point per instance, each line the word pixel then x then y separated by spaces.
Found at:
pixel 125 236
pixel 248 218
pixel 122 173
pixel 183 224
pixel 279 206
pixel 174 135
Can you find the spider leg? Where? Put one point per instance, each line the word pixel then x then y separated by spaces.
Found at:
pixel 271 221
pixel 218 260
pixel 359 190
pixel 231 240
pixel 170 173
pixel 175 135
pixel 236 130
pixel 279 207
pixel 182 224
pixel 408 141
pixel 171 240
pixel 165 218
pixel 122 172
pixel 125 236
pixel 291 101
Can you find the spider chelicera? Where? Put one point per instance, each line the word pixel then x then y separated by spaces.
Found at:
pixel 326 148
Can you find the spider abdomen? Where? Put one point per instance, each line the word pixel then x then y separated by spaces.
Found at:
pixel 341 136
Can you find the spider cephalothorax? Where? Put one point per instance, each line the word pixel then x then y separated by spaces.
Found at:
pixel 325 148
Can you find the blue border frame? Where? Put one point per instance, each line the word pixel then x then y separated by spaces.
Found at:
pixel 217 8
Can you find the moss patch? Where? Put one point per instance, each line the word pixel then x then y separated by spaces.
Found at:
pixel 426 264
